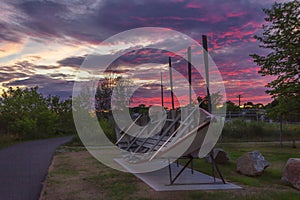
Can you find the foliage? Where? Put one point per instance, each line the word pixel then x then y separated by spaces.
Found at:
pixel 141 109
pixel 108 127
pixel 281 106
pixel 230 106
pixel 112 90
pixel 281 36
pixel 104 93
pixel 26 113
pixel 215 99
pixel 241 130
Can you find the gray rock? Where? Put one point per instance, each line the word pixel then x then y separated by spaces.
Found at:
pixel 252 164
pixel 220 156
pixel 291 172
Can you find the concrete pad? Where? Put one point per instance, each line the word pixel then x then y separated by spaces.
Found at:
pixel 159 180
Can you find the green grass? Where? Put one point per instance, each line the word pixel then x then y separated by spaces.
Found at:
pixel 267 186
pixel 114 185
pixel 227 196
pixel 67 172
pixel 74 142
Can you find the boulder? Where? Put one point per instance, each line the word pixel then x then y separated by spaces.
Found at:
pixel 220 156
pixel 252 164
pixel 291 172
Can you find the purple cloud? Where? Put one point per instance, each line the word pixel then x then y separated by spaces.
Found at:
pixel 229 25
pixel 74 61
pixel 47 85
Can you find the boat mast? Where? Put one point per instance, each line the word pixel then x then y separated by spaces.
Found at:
pixel 171 83
pixel 205 55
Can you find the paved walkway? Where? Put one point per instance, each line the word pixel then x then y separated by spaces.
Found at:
pixel 23 168
pixel 159 180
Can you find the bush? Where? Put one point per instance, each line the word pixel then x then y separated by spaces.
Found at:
pixel 26 113
pixel 108 127
pixel 258 131
pixel 240 129
pixel 27 128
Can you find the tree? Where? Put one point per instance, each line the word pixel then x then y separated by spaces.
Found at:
pixel 230 106
pixel 281 37
pixel 104 93
pixel 26 113
pixel 112 90
pixel 249 104
pixel 215 99
pixel 62 110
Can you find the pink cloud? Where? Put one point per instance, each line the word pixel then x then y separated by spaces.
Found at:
pixel 236 14
pixel 194 5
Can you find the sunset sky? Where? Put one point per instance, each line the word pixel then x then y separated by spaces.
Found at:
pixel 45 42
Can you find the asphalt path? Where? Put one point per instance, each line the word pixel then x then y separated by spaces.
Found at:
pixel 24 166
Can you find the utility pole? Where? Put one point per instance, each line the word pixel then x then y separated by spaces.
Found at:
pixel 239 96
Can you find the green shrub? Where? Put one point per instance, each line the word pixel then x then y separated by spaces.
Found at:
pixel 30 115
pixel 26 127
pixel 258 131
pixel 108 127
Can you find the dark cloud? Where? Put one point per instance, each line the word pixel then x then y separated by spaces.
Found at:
pixel 7 33
pixel 141 56
pixel 22 73
pixel 58 75
pixel 23 67
pixel 29 67
pixel 147 91
pixel 148 55
pixel 94 21
pixel 47 85
pixel 46 67
pixel 5 76
pixel 117 71
pixel 75 61
pixel 44 17
pixel 31 81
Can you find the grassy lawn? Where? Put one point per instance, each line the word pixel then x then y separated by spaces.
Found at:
pixel 75 174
